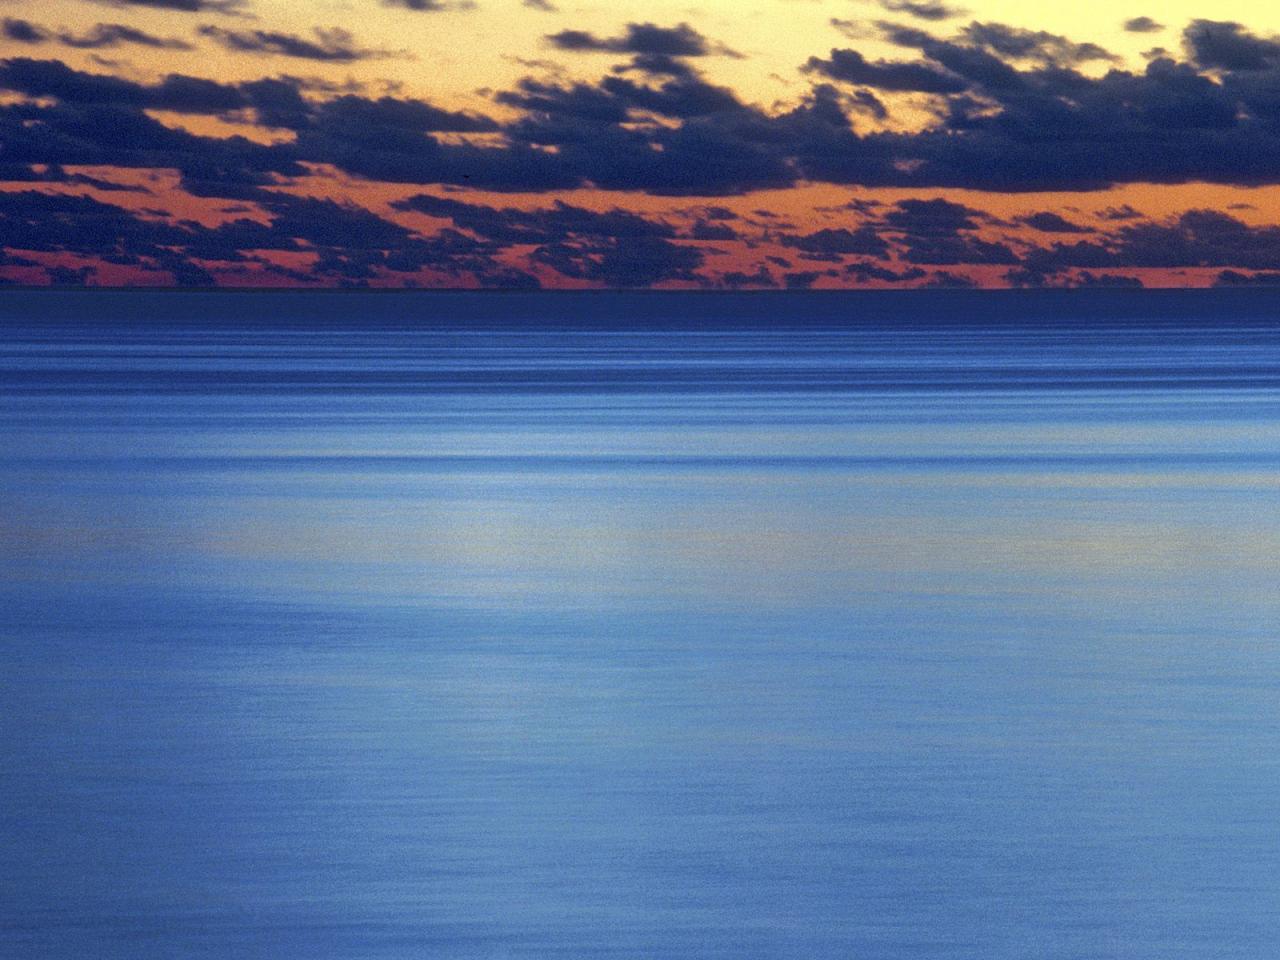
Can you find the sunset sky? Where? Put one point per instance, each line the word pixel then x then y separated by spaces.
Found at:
pixel 698 144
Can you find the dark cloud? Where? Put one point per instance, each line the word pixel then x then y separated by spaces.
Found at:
pixel 23 31
pixel 705 230
pixel 1122 212
pixel 719 146
pixel 106 186
pixel 923 9
pixel 864 241
pixel 1019 44
pixel 1051 127
pixel 1024 277
pixel 390 140
pixel 46 222
pixel 334 45
pixel 503 169
pixel 854 29
pixel 658 65
pixel 1047 221
pixel 325 223
pixel 195 95
pixel 862 271
pixel 1197 238
pixel 1064 256
pixel 638 262
pixel 1233 278
pixel 946 280
pixel 227 7
pixel 1223 45
pixel 184 271
pixel 867 103
pixel 176 92
pixel 931 218
pixel 941 232
pixel 505 278
pixel 9 260
pixel 849 66
pixel 22 173
pixel 101 121
pixel 966 59
pixel 60 276
pixel 736 279
pixel 52 78
pixel 1142 25
pixel 557 108
pixel 108 35
pixel 53 173
pixel 429 6
pixel 508 226
pixel 278 103
pixel 1088 279
pixel 364 117
pixel 646 39
pixel 681 97
pixel 349 243
pixel 957 251
pixel 802 280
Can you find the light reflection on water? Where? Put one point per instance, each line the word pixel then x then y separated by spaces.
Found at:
pixel 392 642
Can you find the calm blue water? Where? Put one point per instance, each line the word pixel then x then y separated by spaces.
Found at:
pixel 364 631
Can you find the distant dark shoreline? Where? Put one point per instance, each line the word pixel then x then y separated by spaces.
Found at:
pixel 657 308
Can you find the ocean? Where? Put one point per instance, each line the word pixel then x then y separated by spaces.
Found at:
pixel 685 626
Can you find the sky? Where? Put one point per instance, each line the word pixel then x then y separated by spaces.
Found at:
pixel 705 144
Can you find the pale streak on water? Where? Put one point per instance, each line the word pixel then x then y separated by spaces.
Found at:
pixel 417 639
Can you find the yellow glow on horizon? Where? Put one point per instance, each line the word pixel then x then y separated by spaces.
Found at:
pixel 453 55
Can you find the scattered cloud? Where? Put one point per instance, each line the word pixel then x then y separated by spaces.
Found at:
pixel 430 6
pixel 850 66
pixel 933 10
pixel 1016 43
pixel 1223 45
pixel 23 31
pixel 1142 25
pixel 865 241
pixel 507 226
pixel 1046 221
pixel 110 35
pixel 644 39
pixel 332 45
pixel 226 7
